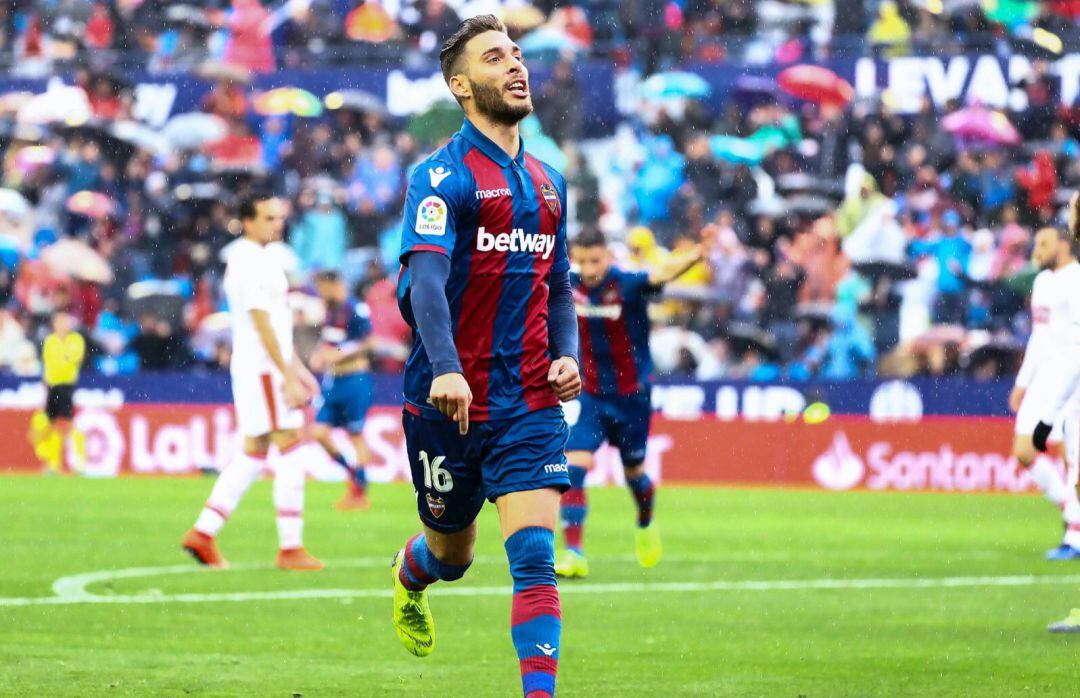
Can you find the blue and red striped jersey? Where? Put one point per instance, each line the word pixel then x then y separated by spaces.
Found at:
pixel 346 324
pixel 613 327
pixel 501 222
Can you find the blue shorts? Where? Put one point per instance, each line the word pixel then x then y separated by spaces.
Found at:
pixel 346 401
pixel 622 421
pixel 454 474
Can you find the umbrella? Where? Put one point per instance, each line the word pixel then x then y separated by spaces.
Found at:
pixel 1004 351
pixel 369 22
pixel 800 182
pixel 892 270
pixel 187 14
pixel 1037 44
pixel 193 130
pixel 200 191
pixel 545 40
pixel 77 259
pixel 817 314
pixel 752 90
pixel 355 100
pixel 744 337
pixel 288 100
pixel 978 124
pixel 140 136
pixel 58 104
pixel 814 83
pixel 34 156
pixel 673 85
pixel 162 299
pixel 437 123
pixel 1011 13
pixel 92 204
pixel 27 133
pixel 13 204
pixel 737 150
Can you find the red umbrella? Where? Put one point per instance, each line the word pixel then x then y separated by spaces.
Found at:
pixel 816 84
pixel 981 124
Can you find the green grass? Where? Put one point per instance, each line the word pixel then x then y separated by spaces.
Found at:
pixel 959 641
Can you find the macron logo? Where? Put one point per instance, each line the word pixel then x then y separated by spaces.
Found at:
pixel 516 240
pixel 438 175
pixel 482 194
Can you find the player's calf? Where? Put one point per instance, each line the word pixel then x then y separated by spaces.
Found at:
pixel 415 567
pixel 536 616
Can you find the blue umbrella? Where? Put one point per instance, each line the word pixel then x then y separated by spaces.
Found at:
pixel 674 85
pixel 737 150
pixel 548 40
pixel 752 90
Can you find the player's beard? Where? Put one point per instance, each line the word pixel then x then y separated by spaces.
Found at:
pixel 491 103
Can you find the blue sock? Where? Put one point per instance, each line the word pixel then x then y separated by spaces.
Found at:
pixel 644 496
pixel 422 568
pixel 535 615
pixel 574 510
pixel 359 478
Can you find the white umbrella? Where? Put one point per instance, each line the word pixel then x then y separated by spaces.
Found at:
pixel 60 103
pixel 193 130
pixel 76 258
pixel 140 136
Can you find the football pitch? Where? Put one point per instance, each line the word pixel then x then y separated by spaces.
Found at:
pixel 760 593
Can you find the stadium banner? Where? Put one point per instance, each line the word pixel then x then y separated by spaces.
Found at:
pixel 965 454
pixel 882 400
pixel 987 79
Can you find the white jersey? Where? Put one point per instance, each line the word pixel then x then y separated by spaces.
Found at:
pixel 1061 369
pixel 255 280
pixel 1046 307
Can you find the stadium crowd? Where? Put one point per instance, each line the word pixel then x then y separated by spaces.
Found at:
pixel 845 239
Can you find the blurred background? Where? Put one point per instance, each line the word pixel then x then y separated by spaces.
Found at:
pixel 872 171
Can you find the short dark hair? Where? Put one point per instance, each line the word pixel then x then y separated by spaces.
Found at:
pixel 248 206
pixel 455 45
pixel 590 236
pixel 329 276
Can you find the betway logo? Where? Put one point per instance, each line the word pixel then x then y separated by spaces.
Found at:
pixel 517 240
pixel 607 312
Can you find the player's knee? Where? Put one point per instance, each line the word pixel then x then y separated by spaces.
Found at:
pixel 634 469
pixel 453 548
pixel 1024 453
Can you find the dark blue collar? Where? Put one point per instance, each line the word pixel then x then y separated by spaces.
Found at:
pixel 488 147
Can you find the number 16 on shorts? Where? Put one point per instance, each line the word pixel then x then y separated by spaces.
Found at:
pixel 435 476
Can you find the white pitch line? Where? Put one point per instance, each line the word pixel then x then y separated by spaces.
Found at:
pixel 566 588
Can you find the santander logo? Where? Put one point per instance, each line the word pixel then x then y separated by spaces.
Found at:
pixel 839 468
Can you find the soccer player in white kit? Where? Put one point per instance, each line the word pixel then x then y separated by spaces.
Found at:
pixel 270 386
pixel 1066 382
pixel 1040 375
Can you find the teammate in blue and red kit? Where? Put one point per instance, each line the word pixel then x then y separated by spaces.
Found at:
pixel 613 324
pixel 347 392
pixel 486 286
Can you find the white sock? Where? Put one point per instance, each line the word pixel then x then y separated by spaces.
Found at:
pixel 1071 513
pixel 229 489
pixel 289 476
pixel 1045 475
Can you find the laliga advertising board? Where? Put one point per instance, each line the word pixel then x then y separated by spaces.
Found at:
pixel 744 438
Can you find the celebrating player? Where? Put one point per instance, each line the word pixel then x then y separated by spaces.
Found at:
pixel 270 386
pixel 486 287
pixel 1053 253
pixel 613 325
pixel 347 390
pixel 1060 390
pixel 62 356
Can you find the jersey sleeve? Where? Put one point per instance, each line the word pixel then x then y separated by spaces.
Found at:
pixel 561 263
pixel 433 204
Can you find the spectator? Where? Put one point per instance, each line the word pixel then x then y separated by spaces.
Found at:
pixel 320 237
pixel 952 252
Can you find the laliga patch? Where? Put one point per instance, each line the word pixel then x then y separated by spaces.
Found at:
pixel 431 216
pixel 435 505
pixel 550 197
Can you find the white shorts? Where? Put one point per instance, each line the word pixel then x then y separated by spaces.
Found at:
pixel 1032 407
pixel 260 404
